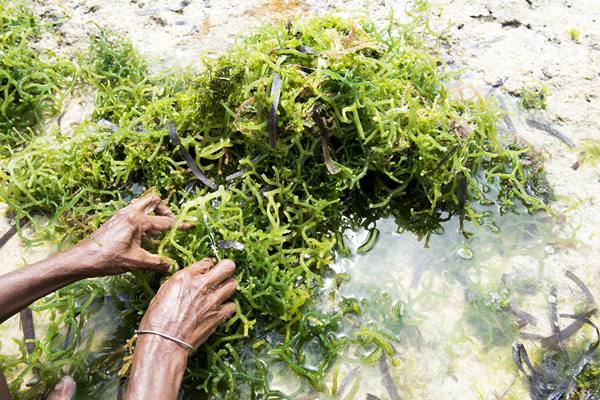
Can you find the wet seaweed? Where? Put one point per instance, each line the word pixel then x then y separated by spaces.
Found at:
pixel 389 120
pixel 556 377
pixel 189 160
pixel 559 335
pixel 534 97
pixel 32 81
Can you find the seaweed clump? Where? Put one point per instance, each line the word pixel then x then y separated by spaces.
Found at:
pixel 304 128
pixel 534 97
pixel 31 81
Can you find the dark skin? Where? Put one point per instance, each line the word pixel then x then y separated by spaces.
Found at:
pixel 188 306
pixel 194 298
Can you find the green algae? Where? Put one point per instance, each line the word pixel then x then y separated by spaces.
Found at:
pixel 534 97
pixel 574 34
pixel 400 145
pixel 31 81
pixel 590 154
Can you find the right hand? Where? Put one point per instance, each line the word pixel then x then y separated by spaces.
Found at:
pixel 116 247
pixel 189 306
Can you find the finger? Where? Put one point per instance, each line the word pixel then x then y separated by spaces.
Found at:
pixel 225 290
pixel 146 203
pixel 163 210
pixel 219 273
pixel 226 311
pixel 150 261
pixel 221 315
pixel 64 389
pixel 201 267
pixel 156 223
pixel 185 226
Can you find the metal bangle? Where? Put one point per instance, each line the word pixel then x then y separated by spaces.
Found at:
pixel 174 339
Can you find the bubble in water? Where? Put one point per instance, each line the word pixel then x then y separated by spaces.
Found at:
pixel 549 249
pixel 465 253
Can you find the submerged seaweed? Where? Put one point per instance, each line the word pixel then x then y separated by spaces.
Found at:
pixel 557 377
pixel 359 127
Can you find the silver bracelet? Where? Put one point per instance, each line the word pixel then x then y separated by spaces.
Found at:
pixel 174 339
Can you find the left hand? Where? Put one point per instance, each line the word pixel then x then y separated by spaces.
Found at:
pixel 116 245
pixel 192 303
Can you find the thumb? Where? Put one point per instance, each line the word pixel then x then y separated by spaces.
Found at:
pixel 146 260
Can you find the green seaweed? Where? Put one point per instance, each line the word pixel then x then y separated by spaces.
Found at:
pixel 587 384
pixel 32 81
pixel 534 97
pixel 590 154
pixel 395 147
pixel 574 34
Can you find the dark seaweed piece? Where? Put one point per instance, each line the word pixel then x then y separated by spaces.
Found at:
pixel 372 397
pixel 546 381
pixel 242 171
pixel 500 82
pixel 318 118
pixel 553 310
pixel 121 388
pixel 520 356
pixel 306 50
pixel 388 382
pixel 347 379
pixel 523 317
pixel 68 337
pixel 230 244
pixel 188 157
pixel 28 329
pixel 579 368
pixel 443 160
pixel 541 381
pixel 566 333
pixel 8 235
pixel 546 127
pixel 272 119
pixel 560 335
pixel 461 192
pixel 576 164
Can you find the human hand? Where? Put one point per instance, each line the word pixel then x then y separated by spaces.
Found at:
pixel 189 306
pixel 64 389
pixel 116 246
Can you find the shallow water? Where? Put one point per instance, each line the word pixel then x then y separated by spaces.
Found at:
pixel 448 303
pixel 454 337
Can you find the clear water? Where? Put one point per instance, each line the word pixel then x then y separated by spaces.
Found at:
pixel 460 299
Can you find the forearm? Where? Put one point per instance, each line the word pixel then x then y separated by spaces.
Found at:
pixel 158 368
pixel 26 285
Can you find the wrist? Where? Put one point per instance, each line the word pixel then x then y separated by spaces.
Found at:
pixel 158 368
pixel 151 342
pixel 91 258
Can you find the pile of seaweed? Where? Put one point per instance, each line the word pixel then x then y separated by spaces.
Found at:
pixel 303 130
pixel 30 80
